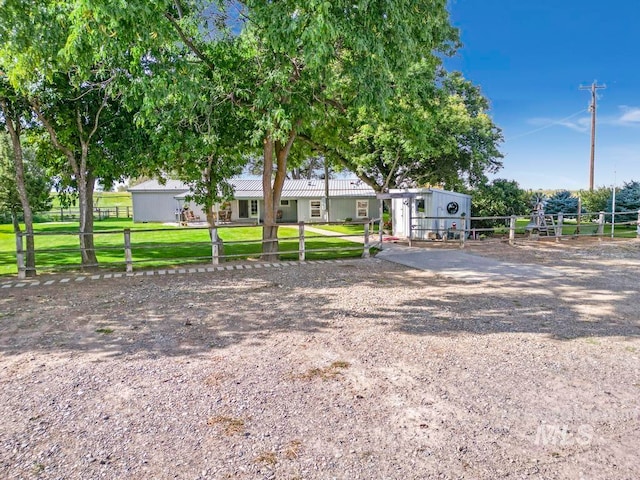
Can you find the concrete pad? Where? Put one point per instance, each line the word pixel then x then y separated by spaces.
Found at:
pixel 459 265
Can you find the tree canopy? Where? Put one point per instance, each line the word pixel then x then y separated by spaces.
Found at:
pixel 208 85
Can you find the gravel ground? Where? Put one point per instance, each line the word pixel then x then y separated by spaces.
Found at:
pixel 363 369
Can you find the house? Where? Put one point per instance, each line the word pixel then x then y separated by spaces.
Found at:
pixel 427 213
pixel 301 200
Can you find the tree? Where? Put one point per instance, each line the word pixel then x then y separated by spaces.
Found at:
pixel 435 131
pixel 627 200
pixel 296 61
pixel 69 64
pixel 36 182
pixel 199 143
pixel 594 201
pixel 499 198
pixel 14 114
pixel 561 201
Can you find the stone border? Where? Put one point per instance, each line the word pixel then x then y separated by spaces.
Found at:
pixel 68 279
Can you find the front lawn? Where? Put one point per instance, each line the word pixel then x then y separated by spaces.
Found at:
pixel 155 244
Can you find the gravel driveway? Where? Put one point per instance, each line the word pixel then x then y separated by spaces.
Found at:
pixel 362 369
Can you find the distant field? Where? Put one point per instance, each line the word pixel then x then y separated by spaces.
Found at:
pixel 102 200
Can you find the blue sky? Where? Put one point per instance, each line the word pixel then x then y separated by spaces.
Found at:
pixel 530 58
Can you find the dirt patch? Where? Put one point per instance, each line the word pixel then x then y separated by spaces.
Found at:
pixel 362 369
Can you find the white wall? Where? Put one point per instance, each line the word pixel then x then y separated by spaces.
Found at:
pixel 405 210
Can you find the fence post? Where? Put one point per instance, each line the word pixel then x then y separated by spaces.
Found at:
pixel 215 246
pixel 301 241
pixel 22 270
pixel 601 224
pixel 512 230
pixel 127 250
pixel 128 214
pixel 558 231
pixel 117 212
pixel 381 223
pixel 365 252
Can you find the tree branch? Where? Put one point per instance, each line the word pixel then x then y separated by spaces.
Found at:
pixel 393 167
pixel 54 137
pixel 189 42
pixel 343 160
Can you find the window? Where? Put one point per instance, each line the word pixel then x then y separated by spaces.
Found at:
pixel 254 208
pixel 362 208
pixel 316 209
pixel 284 203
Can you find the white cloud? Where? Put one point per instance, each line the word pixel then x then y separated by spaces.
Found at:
pixel 629 116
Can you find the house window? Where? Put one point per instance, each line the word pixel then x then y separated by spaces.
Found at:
pixel 316 209
pixel 362 208
pixel 284 203
pixel 247 208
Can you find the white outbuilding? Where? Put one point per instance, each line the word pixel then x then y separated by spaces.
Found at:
pixel 428 213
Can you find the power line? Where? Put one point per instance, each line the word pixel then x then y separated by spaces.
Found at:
pixel 552 124
pixel 594 87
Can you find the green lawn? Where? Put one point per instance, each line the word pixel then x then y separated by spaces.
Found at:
pixel 357 229
pixel 57 245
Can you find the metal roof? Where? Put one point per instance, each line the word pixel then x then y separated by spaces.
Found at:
pixel 292 189
pixel 156 186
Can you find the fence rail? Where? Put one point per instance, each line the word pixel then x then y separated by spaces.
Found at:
pixel 556 226
pixel 71 214
pixel 161 246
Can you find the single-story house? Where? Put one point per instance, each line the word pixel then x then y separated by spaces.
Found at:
pixel 301 200
pixel 426 213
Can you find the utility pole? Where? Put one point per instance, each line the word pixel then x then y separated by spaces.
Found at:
pixel 592 108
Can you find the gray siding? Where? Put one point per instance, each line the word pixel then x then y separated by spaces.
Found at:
pixel 339 209
pixel 154 206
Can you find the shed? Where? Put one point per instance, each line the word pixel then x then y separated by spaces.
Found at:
pixel 156 202
pixel 427 213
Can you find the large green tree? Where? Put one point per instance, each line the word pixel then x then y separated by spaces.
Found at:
pixel 500 197
pixel 72 64
pixel 435 130
pixel 294 61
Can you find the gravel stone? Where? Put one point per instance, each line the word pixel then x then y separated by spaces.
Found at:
pixel 357 369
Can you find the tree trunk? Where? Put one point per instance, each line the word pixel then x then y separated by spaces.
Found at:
pixel 269 229
pixel 14 132
pixel 85 198
pixel 15 221
pixel 273 191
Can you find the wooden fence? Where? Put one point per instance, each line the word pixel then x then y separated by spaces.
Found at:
pixel 210 251
pixel 73 214
pixel 556 226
